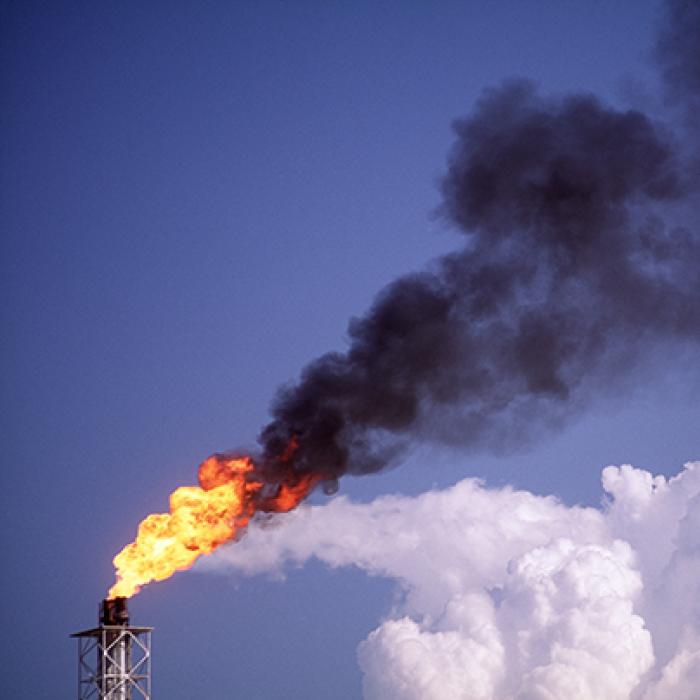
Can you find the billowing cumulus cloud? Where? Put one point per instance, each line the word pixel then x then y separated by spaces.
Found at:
pixel 506 595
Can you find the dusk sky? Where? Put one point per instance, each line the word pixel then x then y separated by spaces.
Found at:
pixel 196 199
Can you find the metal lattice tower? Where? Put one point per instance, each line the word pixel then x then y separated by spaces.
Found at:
pixel 114 660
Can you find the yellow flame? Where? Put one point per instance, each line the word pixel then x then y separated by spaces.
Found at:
pixel 200 519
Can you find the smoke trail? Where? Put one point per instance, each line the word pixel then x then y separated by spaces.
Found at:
pixel 568 269
pixel 678 54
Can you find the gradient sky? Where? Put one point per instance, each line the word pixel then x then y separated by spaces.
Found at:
pixel 195 199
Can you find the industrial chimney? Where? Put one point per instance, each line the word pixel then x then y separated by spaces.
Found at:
pixel 114 659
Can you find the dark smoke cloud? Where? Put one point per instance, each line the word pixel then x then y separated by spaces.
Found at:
pixel 568 273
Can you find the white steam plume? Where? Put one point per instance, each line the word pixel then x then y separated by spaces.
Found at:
pixel 512 596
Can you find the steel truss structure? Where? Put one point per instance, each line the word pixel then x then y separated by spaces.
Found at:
pixel 114 663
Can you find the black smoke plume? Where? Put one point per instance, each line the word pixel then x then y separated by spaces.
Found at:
pixel 570 270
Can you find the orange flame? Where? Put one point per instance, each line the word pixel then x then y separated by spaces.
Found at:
pixel 290 495
pixel 200 519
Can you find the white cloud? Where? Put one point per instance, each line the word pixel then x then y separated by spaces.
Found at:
pixel 680 677
pixel 512 596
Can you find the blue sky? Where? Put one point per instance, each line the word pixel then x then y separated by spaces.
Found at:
pixel 196 198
